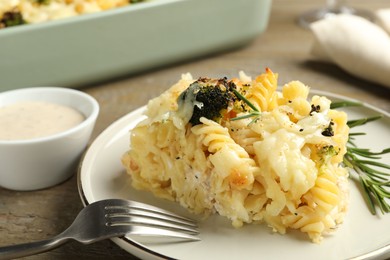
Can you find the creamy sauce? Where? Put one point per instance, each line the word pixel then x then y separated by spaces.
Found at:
pixel 31 119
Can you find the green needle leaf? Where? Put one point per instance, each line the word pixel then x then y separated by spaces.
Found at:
pixel 335 105
pixel 362 121
pixel 241 97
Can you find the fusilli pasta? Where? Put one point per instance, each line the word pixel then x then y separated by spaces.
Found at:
pixel 280 166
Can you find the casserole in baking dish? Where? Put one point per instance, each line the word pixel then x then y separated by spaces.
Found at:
pixel 76 51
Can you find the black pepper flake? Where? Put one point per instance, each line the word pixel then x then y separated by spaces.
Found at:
pixel 177 158
pixel 301 130
pixel 290 101
pixel 328 131
pixel 314 108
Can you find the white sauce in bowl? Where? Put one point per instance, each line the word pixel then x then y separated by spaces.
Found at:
pixel 34 119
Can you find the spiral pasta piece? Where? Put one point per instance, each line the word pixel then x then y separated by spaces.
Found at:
pixel 226 155
pixel 263 91
pixel 322 206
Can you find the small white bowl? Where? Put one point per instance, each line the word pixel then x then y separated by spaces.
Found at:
pixel 43 162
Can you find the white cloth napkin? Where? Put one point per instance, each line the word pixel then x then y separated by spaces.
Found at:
pixel 384 19
pixel 355 44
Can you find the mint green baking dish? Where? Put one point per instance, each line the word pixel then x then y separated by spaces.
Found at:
pixel 81 50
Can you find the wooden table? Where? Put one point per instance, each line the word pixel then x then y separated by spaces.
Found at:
pixel 284 47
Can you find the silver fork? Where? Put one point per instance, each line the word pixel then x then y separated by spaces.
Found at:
pixel 112 218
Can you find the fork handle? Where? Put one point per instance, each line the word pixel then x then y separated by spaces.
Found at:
pixel 27 249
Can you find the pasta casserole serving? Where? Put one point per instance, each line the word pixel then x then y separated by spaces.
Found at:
pixel 245 150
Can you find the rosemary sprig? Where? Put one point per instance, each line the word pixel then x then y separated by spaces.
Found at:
pixel 373 176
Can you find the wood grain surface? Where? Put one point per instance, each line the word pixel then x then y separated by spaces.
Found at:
pixel 284 47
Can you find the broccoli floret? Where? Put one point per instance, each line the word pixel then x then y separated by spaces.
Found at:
pixel 12 18
pixel 326 153
pixel 207 98
pixel 329 150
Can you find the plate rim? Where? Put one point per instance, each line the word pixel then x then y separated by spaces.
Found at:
pixel 382 250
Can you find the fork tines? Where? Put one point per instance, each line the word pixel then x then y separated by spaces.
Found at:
pixel 135 213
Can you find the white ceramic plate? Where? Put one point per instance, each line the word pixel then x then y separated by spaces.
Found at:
pixel 102 176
